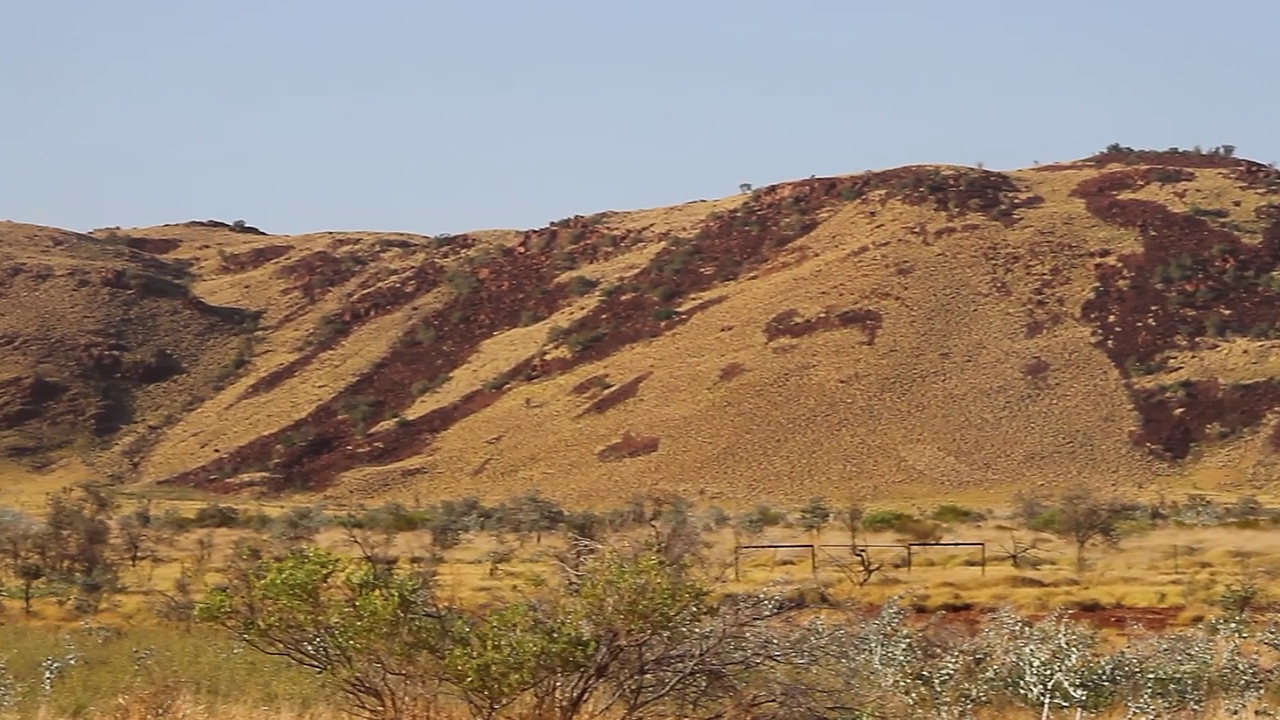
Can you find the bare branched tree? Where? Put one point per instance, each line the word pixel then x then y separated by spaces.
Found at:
pixel 1021 553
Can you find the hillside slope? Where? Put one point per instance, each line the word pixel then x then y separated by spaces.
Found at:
pixel 919 331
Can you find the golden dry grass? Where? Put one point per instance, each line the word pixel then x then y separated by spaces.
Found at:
pixel 921 412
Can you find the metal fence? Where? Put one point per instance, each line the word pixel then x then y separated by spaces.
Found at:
pixel 857 549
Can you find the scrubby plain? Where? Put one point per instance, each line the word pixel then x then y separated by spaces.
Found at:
pixel 123 606
pixel 216 442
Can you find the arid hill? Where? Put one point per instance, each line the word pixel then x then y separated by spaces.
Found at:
pixel 926 330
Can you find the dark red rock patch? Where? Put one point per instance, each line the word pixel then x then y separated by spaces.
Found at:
pixel 593 384
pixel 616 396
pixel 629 446
pixel 731 371
pixel 1177 417
pixel 1250 174
pixel 791 324
pixel 1192 282
pixel 1036 371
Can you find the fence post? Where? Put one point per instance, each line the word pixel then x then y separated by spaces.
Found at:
pixel 908 559
pixel 813 560
pixel 737 573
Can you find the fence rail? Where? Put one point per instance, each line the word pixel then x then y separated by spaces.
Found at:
pixel 857 549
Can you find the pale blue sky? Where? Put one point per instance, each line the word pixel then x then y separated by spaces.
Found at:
pixel 435 116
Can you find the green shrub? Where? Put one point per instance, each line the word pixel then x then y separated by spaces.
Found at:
pixel 496 382
pixel 556 333
pixel 461 281
pixel 1049 521
pixel 422 387
pixel 956 515
pixel 580 285
pixel 884 520
pixel 529 317
pixel 214 515
pixel 584 339
pixel 761 517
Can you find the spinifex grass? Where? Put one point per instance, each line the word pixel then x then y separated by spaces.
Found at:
pixel 90 670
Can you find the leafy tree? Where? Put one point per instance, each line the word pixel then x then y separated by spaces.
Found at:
pixel 756 520
pixel 634 636
pixel 533 514
pixel 298 524
pixel 850 519
pixel 29 573
pixel 134 535
pixel 75 543
pixel 814 515
pixel 1084 518
pixel 371 635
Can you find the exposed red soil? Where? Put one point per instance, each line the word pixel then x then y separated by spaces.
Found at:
pixel 731 371
pixel 1191 281
pixel 1036 371
pixel 968 618
pixel 143 283
pixel 1265 178
pixel 1166 158
pixel 518 281
pixel 593 384
pixel 789 323
pixel 252 258
pixel 629 446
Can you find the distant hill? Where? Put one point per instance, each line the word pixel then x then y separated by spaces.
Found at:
pixel 920 331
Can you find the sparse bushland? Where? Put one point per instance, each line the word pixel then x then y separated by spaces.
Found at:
pixel 627 613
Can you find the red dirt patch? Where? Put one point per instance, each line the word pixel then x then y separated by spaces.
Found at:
pixel 237 227
pixel 789 323
pixel 617 396
pixel 593 384
pixel 1036 371
pixel 1250 174
pixel 630 446
pixel 731 371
